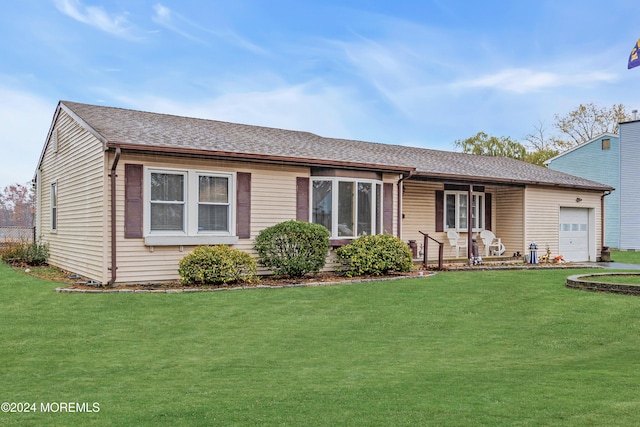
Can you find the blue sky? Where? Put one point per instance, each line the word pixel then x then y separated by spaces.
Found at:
pixel 421 73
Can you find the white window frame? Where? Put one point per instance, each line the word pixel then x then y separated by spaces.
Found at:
pixel 479 211
pixel 376 204
pixel 190 235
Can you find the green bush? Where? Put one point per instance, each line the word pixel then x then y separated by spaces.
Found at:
pixel 375 255
pixel 24 252
pixel 293 248
pixel 216 265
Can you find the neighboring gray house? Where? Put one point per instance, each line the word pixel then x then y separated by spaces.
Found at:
pixel 597 160
pixel 629 185
pixel 612 160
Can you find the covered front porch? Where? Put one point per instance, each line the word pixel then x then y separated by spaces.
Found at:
pixel 439 211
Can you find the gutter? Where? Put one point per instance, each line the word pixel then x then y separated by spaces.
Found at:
pixel 400 181
pixel 113 177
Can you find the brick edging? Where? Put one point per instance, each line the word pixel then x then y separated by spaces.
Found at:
pixel 576 282
pixel 236 288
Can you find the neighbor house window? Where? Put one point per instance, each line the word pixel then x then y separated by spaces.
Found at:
pixel 456 210
pixel 606 144
pixel 187 202
pixel 347 207
pixel 54 206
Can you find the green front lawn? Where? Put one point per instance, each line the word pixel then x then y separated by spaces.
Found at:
pixel 459 349
pixel 625 257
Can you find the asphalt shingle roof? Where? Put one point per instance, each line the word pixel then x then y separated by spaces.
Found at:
pixel 168 132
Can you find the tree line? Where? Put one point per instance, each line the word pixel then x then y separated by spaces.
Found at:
pixel 17 203
pixel 582 124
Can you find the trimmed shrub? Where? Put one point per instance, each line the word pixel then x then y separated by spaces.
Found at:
pixel 24 252
pixel 293 248
pixel 216 265
pixel 375 255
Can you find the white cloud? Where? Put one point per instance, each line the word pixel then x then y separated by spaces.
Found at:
pixel 523 80
pixel 97 17
pixel 310 107
pixel 185 27
pixel 24 119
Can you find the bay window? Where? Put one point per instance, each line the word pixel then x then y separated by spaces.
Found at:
pixel 456 211
pixel 348 208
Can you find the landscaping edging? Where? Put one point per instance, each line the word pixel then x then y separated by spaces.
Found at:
pixel 235 288
pixel 576 282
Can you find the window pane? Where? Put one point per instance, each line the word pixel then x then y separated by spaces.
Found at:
pixel 378 209
pixel 54 206
pixel 167 216
pixel 451 211
pixel 364 208
pixel 213 189
pixel 167 187
pixel 346 204
pixel 462 211
pixel 213 218
pixel 321 203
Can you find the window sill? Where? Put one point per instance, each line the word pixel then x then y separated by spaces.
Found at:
pixel 189 240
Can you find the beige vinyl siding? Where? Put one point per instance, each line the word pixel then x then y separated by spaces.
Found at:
pixel 77 166
pixel 508 218
pixel 542 213
pixel 273 200
pixel 419 210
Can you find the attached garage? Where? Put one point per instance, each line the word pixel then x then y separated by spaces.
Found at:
pixel 577 230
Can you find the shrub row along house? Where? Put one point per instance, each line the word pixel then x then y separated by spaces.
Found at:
pixel 611 159
pixel 122 195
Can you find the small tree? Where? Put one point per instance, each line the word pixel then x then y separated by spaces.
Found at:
pixel 486 145
pixel 293 248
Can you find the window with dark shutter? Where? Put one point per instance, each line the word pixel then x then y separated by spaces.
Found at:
pixel 387 208
pixel 439 210
pixel 302 199
pixel 243 201
pixel 133 216
pixel 487 211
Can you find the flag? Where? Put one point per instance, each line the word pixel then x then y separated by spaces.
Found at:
pixel 634 59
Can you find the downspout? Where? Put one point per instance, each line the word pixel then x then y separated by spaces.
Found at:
pixel 470 223
pixel 409 175
pixel 602 218
pixel 113 177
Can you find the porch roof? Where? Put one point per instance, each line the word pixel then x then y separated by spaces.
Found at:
pixel 153 132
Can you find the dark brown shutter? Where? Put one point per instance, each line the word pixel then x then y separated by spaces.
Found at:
pixel 487 211
pixel 302 199
pixel 133 210
pixel 387 208
pixel 439 210
pixel 243 205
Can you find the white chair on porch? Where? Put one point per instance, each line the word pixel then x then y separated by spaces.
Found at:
pixel 457 241
pixel 492 244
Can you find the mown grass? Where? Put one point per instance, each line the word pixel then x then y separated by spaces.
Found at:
pixel 626 257
pixel 458 349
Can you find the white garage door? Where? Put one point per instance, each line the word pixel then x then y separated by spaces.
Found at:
pixel 574 234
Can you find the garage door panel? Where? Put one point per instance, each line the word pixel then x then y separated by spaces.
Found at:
pixel 574 234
